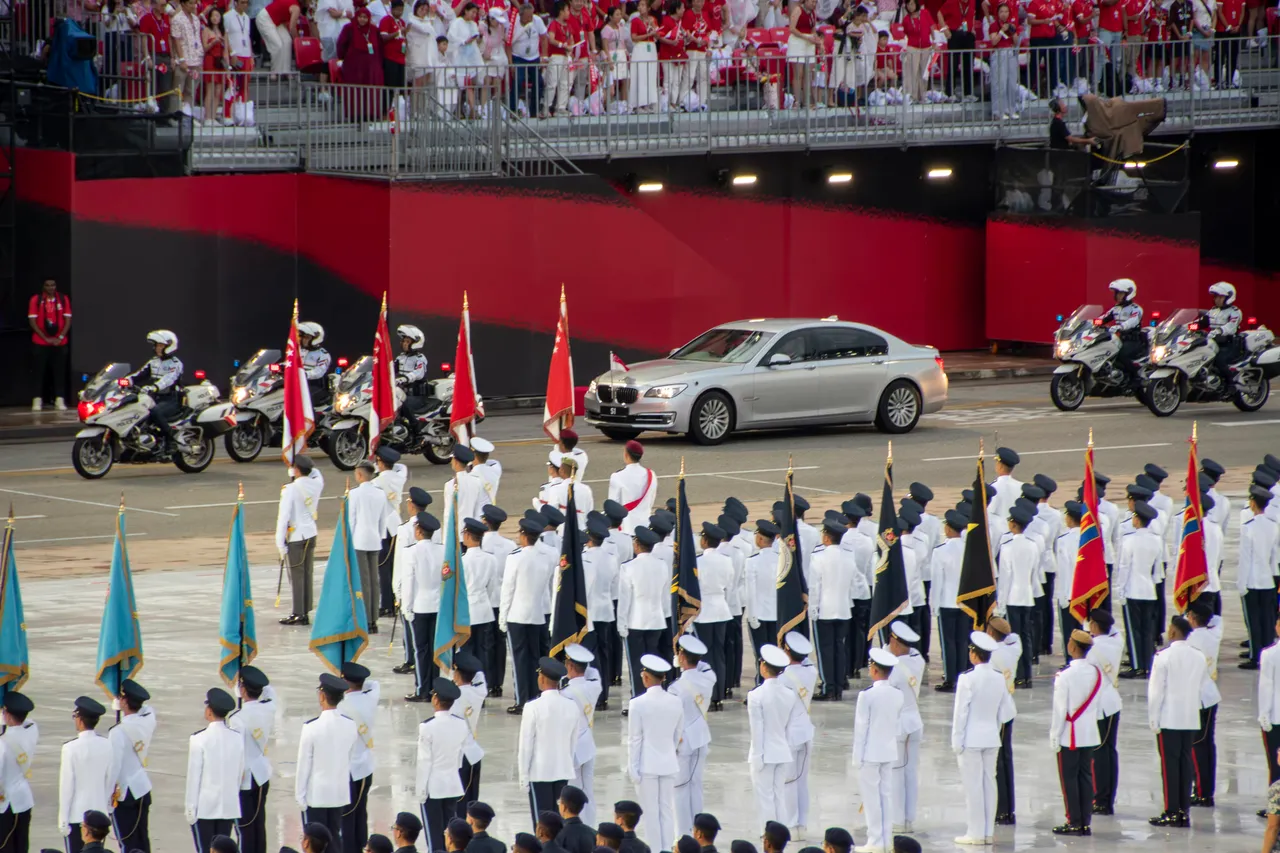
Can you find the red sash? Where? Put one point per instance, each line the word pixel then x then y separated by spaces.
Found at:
pixel 630 505
pixel 1072 717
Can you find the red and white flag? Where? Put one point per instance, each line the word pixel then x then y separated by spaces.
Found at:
pixel 557 411
pixel 299 416
pixel 463 409
pixel 617 365
pixel 382 410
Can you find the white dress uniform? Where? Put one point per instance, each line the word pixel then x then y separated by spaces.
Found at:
pixel 522 617
pixel 863 549
pixel 694 687
pixel 983 704
pixel 471 498
pixel 643 588
pixel 635 487
pixel 367 505
pixel 875 730
pixel 481 571
pixel 906 676
pixel 1212 558
pixel 809 539
pixel 584 500
pixel 1017 585
pixel 86 779
pixel 15 766
pixel 1008 490
pixel 773 711
pixel 1259 554
pixel 945 564
pixel 579 456
pixel 1221 512
pixel 544 758
pixel 604 571
pixel 1173 712
pixel 296 533
pixel 655 724
pixel 761 573
pixel 422 593
pixel 584 692
pixel 802 678
pixel 442 739
pixel 326 750
pixel 490 474
pixel 255 721
pixel 1065 550
pixel 131 744
pixel 1133 587
pixel 215 765
pixel 546 493
pixel 1073 733
pixel 392 482
pixel 362 707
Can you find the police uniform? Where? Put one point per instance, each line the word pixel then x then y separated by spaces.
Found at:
pixel 411 375
pixel 1173 711
pixel 802 677
pixel 470 490
pixel 1050 519
pixel 163 374
pixel 634 487
pixel 469 707
pixel 930 531
pixel 604 569
pixel 360 703
pixel 215 764
pixel 544 758
pixel 326 749
pixel 774 712
pixel 17 755
pixel 1224 325
pixel 1016 586
pixel 1073 735
pixel 1126 324
pixel 1269 708
pixel 584 691
pixel 1133 588
pixel 761 573
pixel 655 724
pixel 521 614
pixel 622 543
pixel 732 547
pixel 855 541
pixel 834 581
pixel 442 738
pixel 1004 660
pixel 296 536
pixel 1066 548
pixel 1007 489
pixel 906 676
pixel 695 687
pixel 983 704
pixel 1259 553
pixel 500 547
pixel 401 569
pixel 875 728
pixel 84 777
pixel 255 721
pixel 367 511
pixel 643 587
pixel 131 744
pixel 315 364
pixel 483 581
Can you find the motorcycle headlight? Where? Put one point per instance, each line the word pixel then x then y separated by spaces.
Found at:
pixel 340 404
pixel 240 395
pixel 665 392
pixel 1064 349
pixel 591 389
pixel 1158 352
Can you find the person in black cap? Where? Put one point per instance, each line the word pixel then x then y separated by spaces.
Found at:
pixel 420 593
pixel 84 782
pixel 775 837
pixel 1016 583
pixel 367 513
pixel 317 838
pixel 131 742
pixel 526 582
pixel 391 477
pixel 223 844
pixel 686 844
pixel 215 763
pixel 837 839
pixel 360 703
pixel 1133 588
pixel 296 535
pixel 761 572
pixel 954 624
pixel 1007 489
pixel 644 592
pixel 834 581
pixel 405 832
pixel 705 829
pixel 470 488
pixel 483 579
pixel 861 544
pixel 379 843
pixel 402 568
pixel 1222 507
pixel 19 736
pixel 495 669
pixel 545 758
pixel 575 836
pixel 1051 518
pixel 94 829
pixel 930 530
pixel 469 706
pixel 442 738
pixel 526 842
pixel 601 567
pixel 549 825
pixel 1258 557
pixel 457 835
pixel 326 749
pixel 255 722
pixel 609 836
pixel 905 844
pixel 623 550
pixel 479 816
pixel 627 814
pixel 739 845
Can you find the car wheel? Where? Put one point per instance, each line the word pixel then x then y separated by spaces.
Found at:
pixel 899 409
pixel 711 420
pixel 615 434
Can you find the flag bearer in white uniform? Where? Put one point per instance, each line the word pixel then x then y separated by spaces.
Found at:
pixel 801 675
pixel 983 702
pixel 360 704
pixel 131 743
pixel 255 721
pixel 584 688
pixel 215 763
pixel 296 535
pixel 773 712
pixel 1073 732
pixel 655 726
pixel 695 687
pixel 875 738
pixel 85 780
pixel 1173 712
pixel 906 677
pixel 19 736
pixel 1206 635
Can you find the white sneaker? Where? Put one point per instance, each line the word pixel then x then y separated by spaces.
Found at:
pixel 970 842
pixel 1004 116
pixel 36 404
pixel 1014 116
pixel 59 404
pixel 323 98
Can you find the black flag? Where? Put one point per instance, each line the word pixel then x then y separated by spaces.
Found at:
pixel 686 592
pixel 569 611
pixel 793 592
pixel 890 596
pixel 976 594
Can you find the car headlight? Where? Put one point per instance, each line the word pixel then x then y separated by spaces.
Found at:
pixel 1158 352
pixel 1064 349
pixel 591 389
pixel 665 392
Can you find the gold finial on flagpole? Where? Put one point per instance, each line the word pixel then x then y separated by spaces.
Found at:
pixel 982 452
pixel 788 464
pixel 384 301
pixel 1091 436
pixel 295 309
pixel 562 291
pixel 122 500
pixel 11 513
pixel 890 457
pixel 240 491
pixel 464 300
pixel 1194 426
pixel 681 467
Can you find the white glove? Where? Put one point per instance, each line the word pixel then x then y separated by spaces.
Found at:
pixel 958 750
pixel 284 553
pixel 502 626
pixel 64 828
pixel 753 622
pixel 622 632
pixel 1265 722
pixel 1118 601
pixel 191 816
pixel 524 785
pixel 1055 746
pixel 1155 726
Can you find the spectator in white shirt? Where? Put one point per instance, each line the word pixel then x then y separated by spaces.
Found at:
pixel 526 47
pixel 331 17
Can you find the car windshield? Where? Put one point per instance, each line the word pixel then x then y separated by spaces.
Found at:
pixel 726 346
pixel 356 374
pixel 258 362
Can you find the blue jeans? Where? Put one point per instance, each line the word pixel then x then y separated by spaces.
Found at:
pixel 528 84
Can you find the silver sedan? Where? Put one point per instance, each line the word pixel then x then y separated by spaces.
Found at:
pixel 754 374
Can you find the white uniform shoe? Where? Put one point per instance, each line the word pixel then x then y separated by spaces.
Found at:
pixel 970 842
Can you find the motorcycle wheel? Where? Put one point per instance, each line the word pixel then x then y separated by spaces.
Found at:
pixel 1067 391
pixel 347 447
pixel 195 461
pixel 1253 402
pixel 245 442
pixel 440 454
pixel 1163 396
pixel 92 457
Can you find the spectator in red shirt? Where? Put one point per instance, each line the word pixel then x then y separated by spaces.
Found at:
pixel 886 63
pixel 1134 14
pixel 672 55
pixel 1157 52
pixel 49 315
pixel 1082 23
pixel 1226 40
pixel 155 23
pixel 391 31
pixel 804 51
pixel 1004 64
pixel 278 27
pixel 697 25
pixel 1044 16
pixel 919 28
pixel 1110 34
pixel 559 42
pixel 958 27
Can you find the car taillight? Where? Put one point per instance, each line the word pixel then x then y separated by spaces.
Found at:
pixel 938 360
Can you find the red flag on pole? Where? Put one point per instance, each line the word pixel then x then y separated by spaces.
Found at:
pixel 383 405
pixel 299 416
pixel 557 412
pixel 463 409
pixel 1193 566
pixel 1089 585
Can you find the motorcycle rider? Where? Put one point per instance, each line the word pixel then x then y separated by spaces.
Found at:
pixel 315 361
pixel 160 378
pixel 1125 317
pixel 411 371
pixel 1225 318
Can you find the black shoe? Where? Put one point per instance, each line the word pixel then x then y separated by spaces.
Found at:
pixel 1068 829
pixel 516 710
pixel 1086 830
pixel 1262 813
pixel 414 697
pixel 857 674
pixel 821 697
pixel 1249 664
pixel 291 619
pixel 386 611
pixel 373 629
pixel 1244 644
pixel 495 692
pixel 1165 819
pixel 1103 810
pixel 945 687
pixel 1023 684
pixel 626 712
pixel 402 669
pixel 602 705
pixel 617 681
pixel 1205 802
pixel 1245 655
pixel 303 620
pixel 1035 660
pixel 717 706
pixel 1132 673
pixel 1006 819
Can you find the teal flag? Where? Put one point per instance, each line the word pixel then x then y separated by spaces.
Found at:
pixel 453 623
pixel 237 633
pixel 120 638
pixel 340 629
pixel 14 665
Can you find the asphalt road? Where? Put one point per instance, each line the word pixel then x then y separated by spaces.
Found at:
pixel 56 507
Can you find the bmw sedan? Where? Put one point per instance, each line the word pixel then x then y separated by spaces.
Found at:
pixel 756 374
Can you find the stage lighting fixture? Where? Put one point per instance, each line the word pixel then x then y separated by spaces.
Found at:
pixel 840 178
pixel 744 180
pixel 938 174
pixel 649 187
pixel 1225 164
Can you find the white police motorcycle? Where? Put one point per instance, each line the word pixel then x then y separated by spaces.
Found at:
pixel 257 390
pixel 1090 367
pixel 117 429
pixel 1182 359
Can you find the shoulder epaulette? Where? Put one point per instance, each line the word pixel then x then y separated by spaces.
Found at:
pixel 312 720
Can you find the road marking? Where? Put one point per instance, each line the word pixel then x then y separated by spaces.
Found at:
pixel 249 503
pixel 27 517
pixel 86 503
pixel 36 470
pixel 73 538
pixel 778 485
pixel 1242 423
pixel 1046 452
pixel 726 473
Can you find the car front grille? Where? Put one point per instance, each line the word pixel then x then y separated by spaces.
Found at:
pixel 616 394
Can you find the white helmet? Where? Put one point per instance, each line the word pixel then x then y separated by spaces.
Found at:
pixel 313 330
pixel 1125 286
pixel 166 337
pixel 414 334
pixel 1226 289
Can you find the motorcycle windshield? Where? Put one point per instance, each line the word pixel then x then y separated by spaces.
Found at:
pixel 105 379
pixel 1079 319
pixel 259 363
pixel 1175 322
pixel 356 375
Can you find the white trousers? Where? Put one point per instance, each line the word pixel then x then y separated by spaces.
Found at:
pixel 657 795
pixel 584 778
pixel 877 802
pixel 675 78
pixel 769 784
pixel 906 778
pixel 978 777
pixel 797 790
pixel 557 83
pixel 689 789
pixel 278 41
pixel 698 74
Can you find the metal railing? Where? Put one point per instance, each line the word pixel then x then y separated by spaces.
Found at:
pixel 257 122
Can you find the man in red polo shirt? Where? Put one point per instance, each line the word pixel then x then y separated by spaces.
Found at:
pixel 391 32
pixel 155 23
pixel 958 27
pixel 1043 16
pixel 49 315
pixel 1110 34
pixel 1226 40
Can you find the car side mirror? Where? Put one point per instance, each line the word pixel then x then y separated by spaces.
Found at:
pixel 779 358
